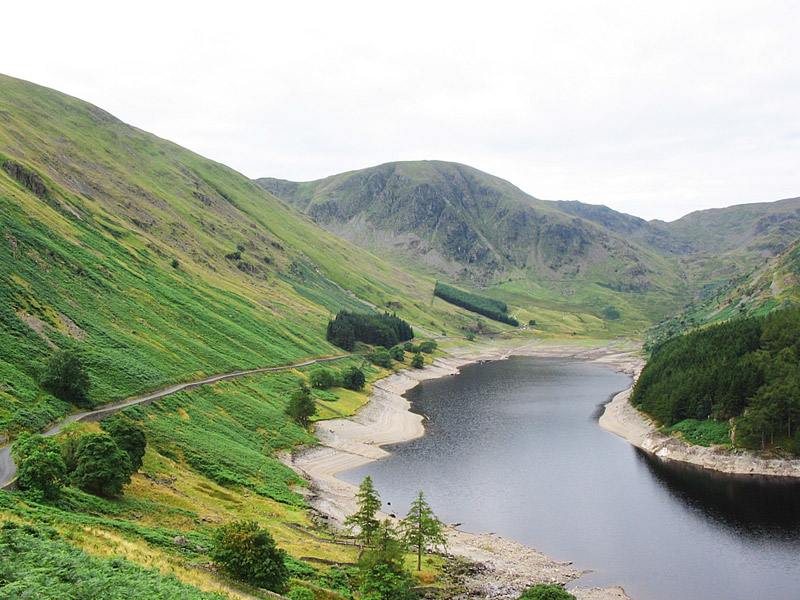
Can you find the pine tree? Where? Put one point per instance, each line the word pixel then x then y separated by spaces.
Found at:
pixel 421 527
pixel 369 503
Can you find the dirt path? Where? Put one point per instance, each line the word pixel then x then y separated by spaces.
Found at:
pixel 8 469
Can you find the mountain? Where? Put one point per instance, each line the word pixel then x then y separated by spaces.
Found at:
pixel 773 284
pixel 463 225
pixel 157 264
pixel 458 223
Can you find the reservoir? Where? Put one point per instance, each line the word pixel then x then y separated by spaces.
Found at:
pixel 513 447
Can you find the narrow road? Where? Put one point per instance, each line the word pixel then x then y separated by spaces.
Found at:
pixel 8 469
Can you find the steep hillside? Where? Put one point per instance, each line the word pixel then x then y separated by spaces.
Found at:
pixel 775 283
pixel 462 225
pixel 156 264
pixel 459 223
pixel 760 229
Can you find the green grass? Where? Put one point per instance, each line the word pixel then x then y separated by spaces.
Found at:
pixel 38 565
pixel 707 432
pixel 89 265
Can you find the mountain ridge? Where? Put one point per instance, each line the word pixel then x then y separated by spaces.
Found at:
pixel 399 209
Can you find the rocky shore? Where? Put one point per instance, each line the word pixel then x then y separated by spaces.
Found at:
pixel 503 567
pixel 621 418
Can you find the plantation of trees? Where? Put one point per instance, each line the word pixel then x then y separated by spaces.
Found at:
pixel 376 329
pixel 743 370
pixel 488 307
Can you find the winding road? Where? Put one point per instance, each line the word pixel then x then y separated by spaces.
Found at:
pixel 8 469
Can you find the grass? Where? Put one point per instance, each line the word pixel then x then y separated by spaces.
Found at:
pixel 158 266
pixel 91 264
pixel 702 433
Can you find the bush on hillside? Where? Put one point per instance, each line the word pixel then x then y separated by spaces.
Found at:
pixel 102 468
pixel 129 436
pixel 322 379
pixel 40 467
pixel 353 379
pixel 381 358
pixel 248 553
pixel 66 378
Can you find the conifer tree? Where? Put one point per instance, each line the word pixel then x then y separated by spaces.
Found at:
pixel 369 503
pixel 421 527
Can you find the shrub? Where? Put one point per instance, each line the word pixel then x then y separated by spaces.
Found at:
pixel 102 468
pixel 300 592
pixel 417 361
pixel 427 346
pixel 546 592
pixel 353 379
pixel 129 436
pixel 397 353
pixel 245 551
pixel 381 358
pixel 322 379
pixel 66 378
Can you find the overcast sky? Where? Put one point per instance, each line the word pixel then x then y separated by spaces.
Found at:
pixel 652 108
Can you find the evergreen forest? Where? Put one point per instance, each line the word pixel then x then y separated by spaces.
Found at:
pixel 744 373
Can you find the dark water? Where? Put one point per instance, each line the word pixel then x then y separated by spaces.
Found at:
pixel 513 447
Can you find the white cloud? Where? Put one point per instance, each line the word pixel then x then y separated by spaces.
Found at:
pixel 651 108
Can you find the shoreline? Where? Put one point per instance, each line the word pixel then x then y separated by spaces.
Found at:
pixel 621 418
pixel 507 567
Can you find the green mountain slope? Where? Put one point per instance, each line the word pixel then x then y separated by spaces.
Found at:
pixel 154 263
pixel 469 227
pixel 466 226
pixel 773 284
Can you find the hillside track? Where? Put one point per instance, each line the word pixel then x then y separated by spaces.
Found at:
pixel 8 469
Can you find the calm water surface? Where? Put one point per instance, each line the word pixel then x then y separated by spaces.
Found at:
pixel 513 447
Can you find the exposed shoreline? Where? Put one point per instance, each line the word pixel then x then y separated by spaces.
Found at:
pixel 508 567
pixel 622 418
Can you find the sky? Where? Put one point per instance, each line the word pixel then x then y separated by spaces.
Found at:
pixel 655 109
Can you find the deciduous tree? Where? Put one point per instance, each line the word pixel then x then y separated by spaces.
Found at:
pixel 353 379
pixel 66 378
pixel 301 405
pixel 245 551
pixel 129 436
pixel 40 467
pixel 102 468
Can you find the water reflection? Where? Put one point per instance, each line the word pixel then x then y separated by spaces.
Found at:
pixel 750 505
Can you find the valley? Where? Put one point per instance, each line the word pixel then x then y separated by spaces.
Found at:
pixel 198 302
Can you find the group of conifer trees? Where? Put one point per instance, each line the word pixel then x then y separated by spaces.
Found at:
pixel 745 371
pixel 371 328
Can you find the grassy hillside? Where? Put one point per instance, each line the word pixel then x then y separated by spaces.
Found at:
pixel 154 263
pixel 468 227
pixel 773 284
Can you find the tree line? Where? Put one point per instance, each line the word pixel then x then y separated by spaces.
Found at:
pixel 488 307
pixel 744 371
